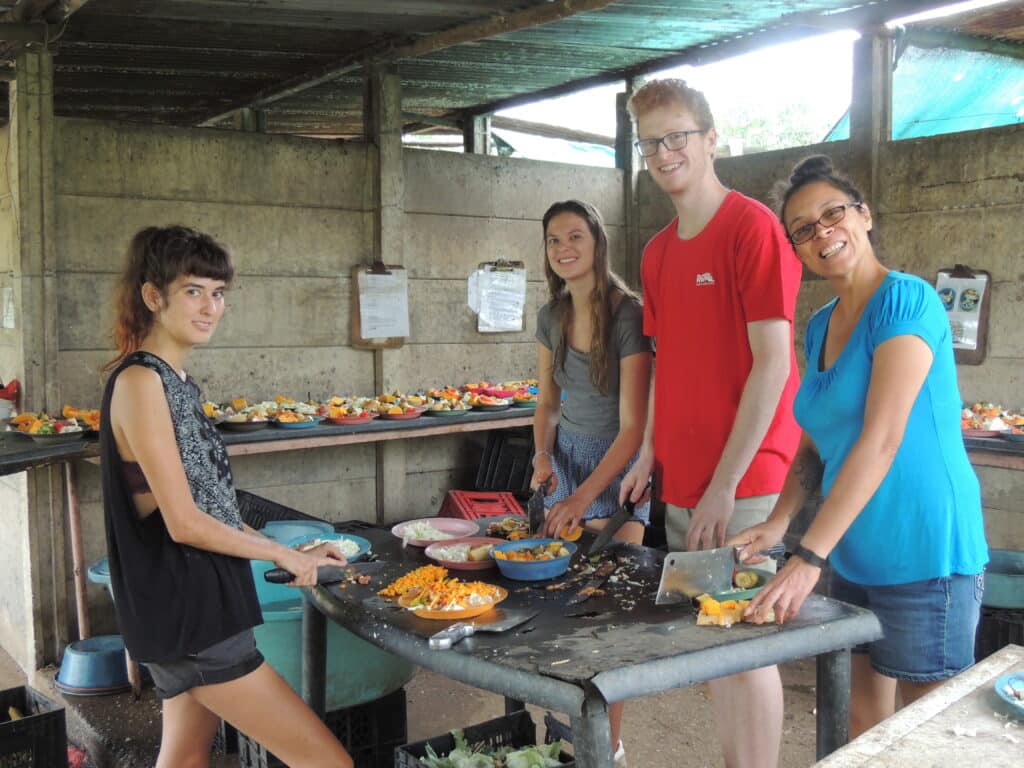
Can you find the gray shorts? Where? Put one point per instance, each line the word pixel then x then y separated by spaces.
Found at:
pixel 749 511
pixel 220 663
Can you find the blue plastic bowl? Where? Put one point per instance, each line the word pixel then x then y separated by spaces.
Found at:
pixel 364 545
pixel 537 570
pixel 93 666
pixel 284 531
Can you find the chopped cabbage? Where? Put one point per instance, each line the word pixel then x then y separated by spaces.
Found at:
pixel 480 755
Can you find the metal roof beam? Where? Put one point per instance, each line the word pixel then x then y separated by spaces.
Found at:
pixel 390 51
pixel 16 32
pixel 552 131
pixel 789 29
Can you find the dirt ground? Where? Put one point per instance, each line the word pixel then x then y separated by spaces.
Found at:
pixel 669 730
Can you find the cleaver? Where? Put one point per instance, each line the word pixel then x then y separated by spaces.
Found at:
pixel 495 620
pixel 688 574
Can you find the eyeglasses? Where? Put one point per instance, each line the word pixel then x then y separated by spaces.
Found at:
pixel 672 141
pixel 829 218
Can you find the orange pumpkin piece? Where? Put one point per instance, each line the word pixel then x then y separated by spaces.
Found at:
pixel 239 403
pixel 70 412
pixel 23 418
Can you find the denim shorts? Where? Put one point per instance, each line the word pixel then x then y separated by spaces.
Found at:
pixel 929 625
pixel 220 663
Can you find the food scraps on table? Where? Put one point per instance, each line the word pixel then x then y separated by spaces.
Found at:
pixel 725 613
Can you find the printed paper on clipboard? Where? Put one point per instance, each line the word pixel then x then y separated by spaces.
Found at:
pixel 383 303
pixel 497 294
pixel 963 295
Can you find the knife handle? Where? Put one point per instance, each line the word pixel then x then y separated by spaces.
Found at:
pixel 446 638
pixel 278 576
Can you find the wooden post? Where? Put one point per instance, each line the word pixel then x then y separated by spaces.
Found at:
pixel 626 159
pixel 476 135
pixel 382 114
pixel 33 192
pixel 870 107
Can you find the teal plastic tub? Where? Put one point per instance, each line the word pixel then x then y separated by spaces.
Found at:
pixel 1004 579
pixel 357 671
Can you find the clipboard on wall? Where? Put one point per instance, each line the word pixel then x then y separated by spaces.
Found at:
pixel 966 295
pixel 380 306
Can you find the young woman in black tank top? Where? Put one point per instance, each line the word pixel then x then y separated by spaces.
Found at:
pixel 179 552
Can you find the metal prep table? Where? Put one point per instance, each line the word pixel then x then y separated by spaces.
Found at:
pixel 620 646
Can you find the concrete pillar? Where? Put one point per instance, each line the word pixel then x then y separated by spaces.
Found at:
pixel 250 120
pixel 43 627
pixel 476 135
pixel 870 107
pixel 627 160
pixel 382 115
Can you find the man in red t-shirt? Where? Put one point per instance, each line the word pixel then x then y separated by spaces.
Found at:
pixel 720 286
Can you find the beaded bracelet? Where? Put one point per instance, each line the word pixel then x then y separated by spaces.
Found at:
pixel 809 557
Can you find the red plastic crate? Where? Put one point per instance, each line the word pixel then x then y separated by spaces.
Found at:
pixel 471 505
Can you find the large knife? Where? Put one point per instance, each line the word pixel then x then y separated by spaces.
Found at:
pixel 495 620
pixel 593 584
pixel 688 574
pixel 616 521
pixel 328 574
pixel 535 507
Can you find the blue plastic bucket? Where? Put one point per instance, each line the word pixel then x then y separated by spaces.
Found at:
pixel 93 666
pixel 357 671
pixel 286 530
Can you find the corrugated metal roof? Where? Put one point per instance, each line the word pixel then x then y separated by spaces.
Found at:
pixel 187 61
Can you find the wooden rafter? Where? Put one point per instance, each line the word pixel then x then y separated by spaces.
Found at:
pixel 392 50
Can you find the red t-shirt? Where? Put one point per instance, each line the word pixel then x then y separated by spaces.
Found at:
pixel 699 295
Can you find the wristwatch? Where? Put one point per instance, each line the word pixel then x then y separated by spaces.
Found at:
pixel 809 557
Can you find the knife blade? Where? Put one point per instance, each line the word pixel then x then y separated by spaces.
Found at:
pixel 496 620
pixel 328 574
pixel 535 507
pixel 595 582
pixel 616 521
pixel 685 575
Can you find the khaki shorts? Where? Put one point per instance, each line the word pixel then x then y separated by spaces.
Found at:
pixel 749 511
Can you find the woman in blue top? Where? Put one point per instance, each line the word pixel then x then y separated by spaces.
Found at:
pixel 879 406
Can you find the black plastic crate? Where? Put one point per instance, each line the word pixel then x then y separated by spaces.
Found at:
pixel 997 628
pixel 516 730
pixel 257 511
pixel 39 739
pixel 370 733
pixel 506 462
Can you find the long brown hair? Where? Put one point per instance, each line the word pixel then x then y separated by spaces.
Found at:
pixel 159 255
pixel 602 308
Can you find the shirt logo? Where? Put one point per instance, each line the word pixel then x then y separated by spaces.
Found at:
pixel 705 278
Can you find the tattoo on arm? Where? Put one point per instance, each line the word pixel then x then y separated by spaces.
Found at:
pixel 809 470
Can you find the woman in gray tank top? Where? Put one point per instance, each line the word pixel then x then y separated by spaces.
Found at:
pixel 594 366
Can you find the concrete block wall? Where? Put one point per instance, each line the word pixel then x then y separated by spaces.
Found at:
pixel 295 214
pixel 943 200
pixel 959 198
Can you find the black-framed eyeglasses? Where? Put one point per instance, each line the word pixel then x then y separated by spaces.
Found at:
pixel 672 141
pixel 829 218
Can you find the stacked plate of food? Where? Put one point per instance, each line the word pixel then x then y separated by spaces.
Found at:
pixel 48 430
pixel 468 554
pixel 431 594
pixel 424 531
